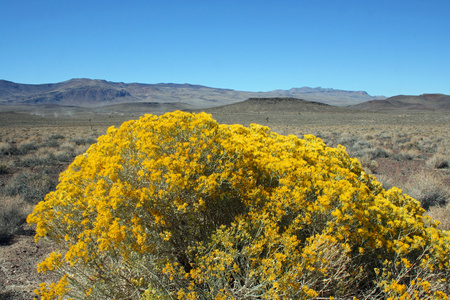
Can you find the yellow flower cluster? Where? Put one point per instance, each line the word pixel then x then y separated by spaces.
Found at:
pixel 178 206
pixel 54 291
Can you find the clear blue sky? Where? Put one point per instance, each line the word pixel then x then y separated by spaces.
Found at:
pixel 382 47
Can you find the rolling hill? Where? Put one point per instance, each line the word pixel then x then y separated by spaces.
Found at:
pixel 278 111
pixel 425 102
pixel 274 105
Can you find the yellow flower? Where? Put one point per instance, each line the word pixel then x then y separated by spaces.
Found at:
pixel 187 207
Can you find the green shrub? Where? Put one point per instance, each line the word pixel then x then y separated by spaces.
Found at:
pixel 178 206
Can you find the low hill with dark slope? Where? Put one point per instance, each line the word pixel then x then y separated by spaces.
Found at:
pixel 276 111
pixel 277 104
pixel 341 97
pixel 425 102
pixel 88 92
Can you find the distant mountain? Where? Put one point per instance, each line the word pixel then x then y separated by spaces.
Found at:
pixel 89 92
pixel 425 102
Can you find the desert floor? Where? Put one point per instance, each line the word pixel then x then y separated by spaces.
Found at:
pixel 409 150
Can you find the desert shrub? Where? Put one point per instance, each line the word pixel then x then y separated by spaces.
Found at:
pixel 347 140
pixel 2 280
pixel 426 145
pixel 35 160
pixel 45 157
pixel 11 218
pixel 84 141
pixel 68 146
pixel 53 140
pixel 27 147
pixel 387 182
pixel 439 161
pixel 56 136
pixel 428 188
pixel 178 206
pixel 64 156
pixel 369 164
pixel 379 152
pixel 442 214
pixel 4 167
pixel 409 146
pixel 406 155
pixel 8 149
pixel 32 187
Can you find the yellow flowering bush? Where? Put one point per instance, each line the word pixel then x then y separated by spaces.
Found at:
pixel 179 207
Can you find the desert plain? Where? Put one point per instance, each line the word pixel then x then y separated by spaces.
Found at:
pixel 409 149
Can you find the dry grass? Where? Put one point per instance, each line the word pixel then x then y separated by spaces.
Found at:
pixel 428 188
pixel 12 217
pixel 439 161
pixel 442 214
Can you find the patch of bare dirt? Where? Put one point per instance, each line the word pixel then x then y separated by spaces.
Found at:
pixel 399 172
pixel 18 260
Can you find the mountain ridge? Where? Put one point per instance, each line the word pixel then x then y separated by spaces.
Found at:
pixel 99 92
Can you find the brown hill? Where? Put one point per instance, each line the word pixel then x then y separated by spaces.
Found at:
pixel 278 111
pixel 274 105
pixel 88 92
pixel 425 102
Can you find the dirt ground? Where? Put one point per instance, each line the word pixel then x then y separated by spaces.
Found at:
pixel 18 259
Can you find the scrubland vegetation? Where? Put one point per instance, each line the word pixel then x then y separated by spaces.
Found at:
pixel 30 162
pixel 258 230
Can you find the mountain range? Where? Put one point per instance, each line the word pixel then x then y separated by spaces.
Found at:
pixel 100 94
pixel 89 92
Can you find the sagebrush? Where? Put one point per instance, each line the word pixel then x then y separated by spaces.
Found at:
pixel 12 217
